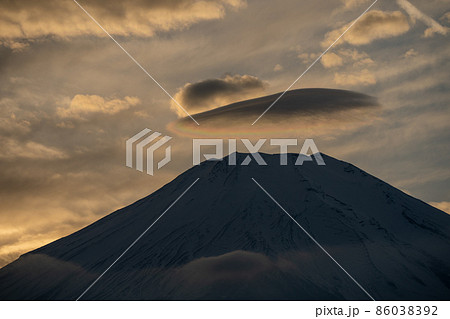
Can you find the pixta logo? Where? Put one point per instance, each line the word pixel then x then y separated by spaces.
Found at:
pixel 283 143
pixel 144 147
pixel 151 148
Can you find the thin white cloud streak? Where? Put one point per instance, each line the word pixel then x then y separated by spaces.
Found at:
pixel 414 13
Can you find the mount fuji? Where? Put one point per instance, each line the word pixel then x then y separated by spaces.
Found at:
pixel 226 239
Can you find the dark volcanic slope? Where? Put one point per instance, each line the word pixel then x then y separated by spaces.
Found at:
pixel 225 239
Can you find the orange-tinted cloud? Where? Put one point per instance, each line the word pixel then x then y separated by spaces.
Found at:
pixel 83 105
pixel 29 19
pixel 372 26
pixel 363 77
pixel 348 4
pixel 338 58
pixel 12 148
pixel 446 17
pixel 331 60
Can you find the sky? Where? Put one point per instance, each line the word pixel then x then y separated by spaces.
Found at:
pixel 70 97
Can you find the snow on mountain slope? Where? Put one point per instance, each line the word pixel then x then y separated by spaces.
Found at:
pixel 226 239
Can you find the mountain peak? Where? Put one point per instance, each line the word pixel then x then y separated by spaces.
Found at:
pixel 226 239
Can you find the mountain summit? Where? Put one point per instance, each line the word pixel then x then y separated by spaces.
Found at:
pixel 226 239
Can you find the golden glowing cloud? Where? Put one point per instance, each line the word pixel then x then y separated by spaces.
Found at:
pixel 14 149
pixel 446 17
pixel 29 19
pixel 364 77
pixel 331 60
pixel 339 58
pixel 82 105
pixel 372 26
pixel 348 4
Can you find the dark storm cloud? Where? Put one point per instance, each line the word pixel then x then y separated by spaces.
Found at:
pixel 300 109
pixel 210 93
pixel 297 102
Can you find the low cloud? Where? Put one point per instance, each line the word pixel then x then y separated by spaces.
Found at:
pixel 248 274
pixel 372 26
pixel 235 266
pixel 414 13
pixel 82 105
pixel 217 277
pixel 212 93
pixel 29 19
